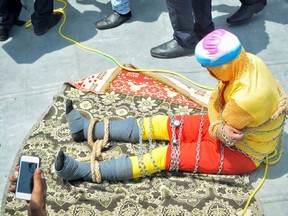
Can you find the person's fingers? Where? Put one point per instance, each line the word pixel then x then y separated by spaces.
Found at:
pixel 37 180
pixel 13 182
pixel 44 184
pixel 13 179
pixel 236 137
pixel 12 189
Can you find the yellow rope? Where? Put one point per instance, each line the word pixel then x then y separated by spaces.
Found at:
pixel 61 10
pixel 267 162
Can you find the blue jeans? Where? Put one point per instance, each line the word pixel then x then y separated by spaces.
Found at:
pixel 121 6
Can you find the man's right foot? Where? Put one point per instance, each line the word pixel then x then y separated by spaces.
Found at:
pixel 76 122
pixel 40 30
pixel 171 49
pixel 4 34
pixel 112 20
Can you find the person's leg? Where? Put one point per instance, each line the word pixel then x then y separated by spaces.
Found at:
pixel 119 169
pixel 9 12
pixel 6 20
pixel 122 130
pixel 182 20
pixel 112 170
pixel 246 11
pixel 121 6
pixel 184 38
pixel 203 18
pixel 120 13
pixel 15 7
pixel 43 17
pixel 199 152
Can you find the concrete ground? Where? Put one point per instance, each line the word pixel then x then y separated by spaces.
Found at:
pixel 34 68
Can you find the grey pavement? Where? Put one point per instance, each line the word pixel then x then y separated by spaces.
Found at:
pixel 34 68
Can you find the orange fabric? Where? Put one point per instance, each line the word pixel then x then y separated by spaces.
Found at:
pixel 234 161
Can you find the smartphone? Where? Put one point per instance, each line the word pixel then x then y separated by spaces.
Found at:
pixel 25 183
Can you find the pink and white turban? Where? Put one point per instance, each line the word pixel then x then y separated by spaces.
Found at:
pixel 217 48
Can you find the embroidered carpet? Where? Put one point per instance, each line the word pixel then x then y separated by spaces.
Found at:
pixel 117 93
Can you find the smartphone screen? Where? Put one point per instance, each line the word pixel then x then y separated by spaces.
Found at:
pixel 25 183
pixel 26 177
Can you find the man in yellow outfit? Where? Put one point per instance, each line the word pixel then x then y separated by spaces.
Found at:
pixel 243 126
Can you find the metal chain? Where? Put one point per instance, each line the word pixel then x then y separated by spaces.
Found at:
pixel 221 158
pixel 141 165
pixel 152 146
pixel 252 130
pixel 199 142
pixel 228 142
pixel 175 153
pixel 247 131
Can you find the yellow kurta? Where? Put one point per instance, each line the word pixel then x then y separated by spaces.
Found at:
pixel 251 97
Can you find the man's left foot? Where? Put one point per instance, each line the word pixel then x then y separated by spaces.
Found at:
pixel 40 30
pixel 245 13
pixel 171 49
pixel 69 169
pixel 112 20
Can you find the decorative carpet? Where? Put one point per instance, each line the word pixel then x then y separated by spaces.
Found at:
pixel 117 93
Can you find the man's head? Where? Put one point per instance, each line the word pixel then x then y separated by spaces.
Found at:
pixel 217 48
pixel 222 54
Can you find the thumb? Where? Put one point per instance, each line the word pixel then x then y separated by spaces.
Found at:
pixel 37 179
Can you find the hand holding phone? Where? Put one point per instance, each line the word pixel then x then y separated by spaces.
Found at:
pixel 37 205
pixel 25 183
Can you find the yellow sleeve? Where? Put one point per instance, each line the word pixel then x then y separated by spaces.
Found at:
pixel 232 114
pixel 235 116
pixel 213 106
pixel 213 110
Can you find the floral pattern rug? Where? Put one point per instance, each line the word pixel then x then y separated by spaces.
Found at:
pixel 168 193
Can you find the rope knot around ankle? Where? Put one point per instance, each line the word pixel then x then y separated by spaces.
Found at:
pixel 96 148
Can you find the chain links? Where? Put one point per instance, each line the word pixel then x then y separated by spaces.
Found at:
pixel 221 158
pixel 199 143
pixel 175 153
pixel 152 145
pixel 142 167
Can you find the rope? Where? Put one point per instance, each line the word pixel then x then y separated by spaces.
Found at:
pixel 283 103
pixel 96 148
pixel 282 109
pixel 62 10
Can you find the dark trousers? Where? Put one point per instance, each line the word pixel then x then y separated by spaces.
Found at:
pixel 43 10
pixel 10 10
pixel 191 20
pixel 248 2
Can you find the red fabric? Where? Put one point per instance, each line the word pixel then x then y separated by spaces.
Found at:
pixel 234 161
pixel 140 85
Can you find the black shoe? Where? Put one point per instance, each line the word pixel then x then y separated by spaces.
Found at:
pixel 171 49
pixel 245 13
pixel 4 34
pixel 40 30
pixel 112 20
